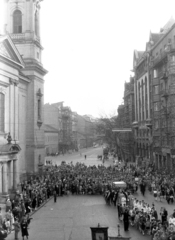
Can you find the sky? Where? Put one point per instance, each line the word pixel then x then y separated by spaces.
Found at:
pixel 89 45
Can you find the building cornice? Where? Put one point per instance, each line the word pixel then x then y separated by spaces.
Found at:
pixel 4 84
pixel 35 66
pixel 10 62
pixel 24 78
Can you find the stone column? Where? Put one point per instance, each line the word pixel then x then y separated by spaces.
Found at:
pixel 16 124
pixel 0 178
pixel 4 178
pixel 11 174
pixel 14 174
pixel 11 108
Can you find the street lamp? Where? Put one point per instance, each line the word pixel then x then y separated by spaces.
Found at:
pixel 118 230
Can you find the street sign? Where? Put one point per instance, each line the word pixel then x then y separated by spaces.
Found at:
pixel 122 130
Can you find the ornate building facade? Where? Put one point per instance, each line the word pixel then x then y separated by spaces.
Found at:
pixel 21 93
pixel 162 72
pixel 154 98
pixel 142 131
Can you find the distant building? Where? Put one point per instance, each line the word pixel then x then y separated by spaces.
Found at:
pixel 64 120
pixel 74 131
pixel 142 118
pixel 124 120
pixel 85 131
pixel 51 140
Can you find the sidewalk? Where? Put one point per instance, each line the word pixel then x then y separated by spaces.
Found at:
pixel 11 235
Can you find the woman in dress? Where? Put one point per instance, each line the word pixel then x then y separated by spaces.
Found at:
pixel 24 230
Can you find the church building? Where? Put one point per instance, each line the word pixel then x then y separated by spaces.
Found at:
pixel 22 147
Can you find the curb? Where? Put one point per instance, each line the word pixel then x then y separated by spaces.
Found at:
pixel 32 213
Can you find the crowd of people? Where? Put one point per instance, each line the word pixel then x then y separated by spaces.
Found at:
pixel 80 179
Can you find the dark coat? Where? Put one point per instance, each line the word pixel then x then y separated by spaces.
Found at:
pixel 24 229
pixel 3 234
pixel 126 216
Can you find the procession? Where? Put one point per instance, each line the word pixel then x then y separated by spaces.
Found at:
pixel 119 185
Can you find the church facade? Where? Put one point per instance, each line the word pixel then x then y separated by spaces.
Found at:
pixel 22 147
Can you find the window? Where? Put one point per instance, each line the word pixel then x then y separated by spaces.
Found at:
pixel 173 58
pixel 39 106
pixel 156 124
pixel 39 109
pixel 156 106
pixel 2 111
pixel 155 73
pixel 161 86
pixel 156 89
pixel 17 21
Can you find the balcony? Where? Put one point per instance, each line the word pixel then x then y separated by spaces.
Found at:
pixel 165 112
pixel 156 133
pixel 135 124
pixel 164 93
pixel 156 114
pixel 148 123
pixel 172 67
pixel 18 36
pixel 155 81
pixel 156 98
pixel 157 59
pixel 24 36
pixel 164 76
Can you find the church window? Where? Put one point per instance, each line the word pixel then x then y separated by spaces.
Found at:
pixel 17 21
pixel 39 109
pixel 2 111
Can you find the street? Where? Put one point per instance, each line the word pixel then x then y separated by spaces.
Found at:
pixel 71 217
pixel 91 154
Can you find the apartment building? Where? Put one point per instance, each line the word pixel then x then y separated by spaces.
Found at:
pixel 162 73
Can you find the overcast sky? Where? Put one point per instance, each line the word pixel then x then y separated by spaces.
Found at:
pixel 88 48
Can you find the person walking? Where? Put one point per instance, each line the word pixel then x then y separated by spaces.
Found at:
pixel 119 208
pixel 8 205
pixel 16 228
pixel 85 157
pixel 126 219
pixel 55 195
pixel 142 188
pixel 24 228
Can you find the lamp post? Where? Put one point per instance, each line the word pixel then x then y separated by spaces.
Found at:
pixel 118 230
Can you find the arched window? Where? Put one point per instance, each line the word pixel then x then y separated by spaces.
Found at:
pixel 36 23
pixel 17 21
pixel 2 111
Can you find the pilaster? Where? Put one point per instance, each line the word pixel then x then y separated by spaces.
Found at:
pixel 4 179
pixel 16 112
pixel 14 174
